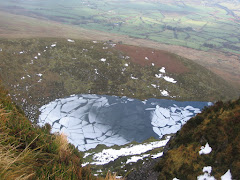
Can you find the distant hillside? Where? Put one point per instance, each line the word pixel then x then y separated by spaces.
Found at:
pixel 219 126
pixel 37 71
pixel 30 152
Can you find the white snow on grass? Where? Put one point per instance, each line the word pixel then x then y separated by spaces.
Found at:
pixel 108 155
pixel 158 75
pixel 207 169
pixel 169 79
pixel 154 156
pixel 70 40
pixel 132 77
pixel 207 174
pixel 103 59
pixel 96 71
pixel 162 70
pixel 166 78
pixel 164 93
pixel 227 176
pixel 205 149
pixel 134 159
pixel 40 75
pixel 154 85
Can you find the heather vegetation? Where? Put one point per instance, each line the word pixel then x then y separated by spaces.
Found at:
pixel 219 126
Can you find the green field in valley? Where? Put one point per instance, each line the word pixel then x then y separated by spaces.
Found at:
pixel 200 25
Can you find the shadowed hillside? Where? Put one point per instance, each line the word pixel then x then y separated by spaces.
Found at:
pixel 219 126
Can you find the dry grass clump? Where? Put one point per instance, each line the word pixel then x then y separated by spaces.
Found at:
pixel 110 176
pixel 14 165
pixel 63 146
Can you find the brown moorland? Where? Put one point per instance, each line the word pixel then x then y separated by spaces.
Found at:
pixel 146 56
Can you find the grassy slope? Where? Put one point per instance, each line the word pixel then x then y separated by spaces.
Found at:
pixel 218 125
pixel 27 151
pixel 69 69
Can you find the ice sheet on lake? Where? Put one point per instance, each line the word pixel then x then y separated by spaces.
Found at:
pixel 89 120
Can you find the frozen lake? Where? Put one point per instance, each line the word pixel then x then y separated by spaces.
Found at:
pixel 89 119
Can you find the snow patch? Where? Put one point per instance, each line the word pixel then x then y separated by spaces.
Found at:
pixel 162 70
pixel 96 71
pixel 227 176
pixel 132 77
pixel 70 40
pixel 207 169
pixel 164 93
pixel 157 155
pixel 40 75
pixel 136 158
pixel 154 85
pixel 205 149
pixel 103 59
pixel 169 79
pixel 207 174
pixel 158 75
pixel 108 155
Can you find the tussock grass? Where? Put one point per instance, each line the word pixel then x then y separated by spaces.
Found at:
pixel 31 152
pixel 13 165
